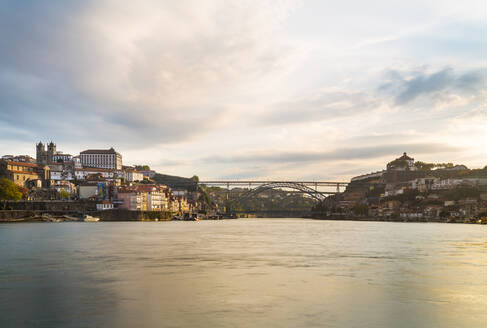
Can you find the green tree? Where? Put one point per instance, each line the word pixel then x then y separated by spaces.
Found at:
pixel 9 190
pixel 195 178
pixel 63 194
pixel 422 166
pixel 142 167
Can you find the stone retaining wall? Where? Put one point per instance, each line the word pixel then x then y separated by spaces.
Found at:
pixel 126 215
pixel 50 206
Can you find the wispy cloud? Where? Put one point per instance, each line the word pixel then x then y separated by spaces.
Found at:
pixel 132 72
pixel 184 85
pixel 407 87
pixel 324 105
pixel 341 154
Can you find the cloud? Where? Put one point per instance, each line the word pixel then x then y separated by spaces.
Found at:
pixel 324 105
pixel 340 154
pixel 407 87
pixel 132 72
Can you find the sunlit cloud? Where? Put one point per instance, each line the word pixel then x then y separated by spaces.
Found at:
pixel 246 88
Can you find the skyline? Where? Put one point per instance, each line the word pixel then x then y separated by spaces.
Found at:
pixel 255 89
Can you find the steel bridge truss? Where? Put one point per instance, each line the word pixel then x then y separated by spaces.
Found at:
pixel 319 196
pixel 262 186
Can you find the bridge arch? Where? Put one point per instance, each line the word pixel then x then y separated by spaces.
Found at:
pixel 319 196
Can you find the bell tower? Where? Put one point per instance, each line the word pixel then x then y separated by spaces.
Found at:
pixel 51 151
pixel 41 157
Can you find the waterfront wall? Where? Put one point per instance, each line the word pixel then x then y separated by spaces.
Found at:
pixel 48 206
pixel 126 215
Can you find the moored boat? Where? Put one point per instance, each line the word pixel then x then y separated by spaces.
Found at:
pixel 89 218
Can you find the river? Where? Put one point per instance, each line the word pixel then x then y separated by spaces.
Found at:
pixel 243 273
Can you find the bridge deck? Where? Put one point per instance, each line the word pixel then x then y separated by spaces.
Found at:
pixel 247 182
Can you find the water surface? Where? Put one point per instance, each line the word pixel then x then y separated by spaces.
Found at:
pixel 243 273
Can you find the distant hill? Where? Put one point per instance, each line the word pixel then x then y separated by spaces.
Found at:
pixel 176 182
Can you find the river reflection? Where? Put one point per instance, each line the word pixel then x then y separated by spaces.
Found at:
pixel 243 273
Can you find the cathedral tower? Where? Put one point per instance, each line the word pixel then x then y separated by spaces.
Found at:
pixel 41 155
pixel 51 151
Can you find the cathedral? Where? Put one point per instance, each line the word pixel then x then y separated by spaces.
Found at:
pixel 44 156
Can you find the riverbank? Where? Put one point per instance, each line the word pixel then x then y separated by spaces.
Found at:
pixel 115 215
pixel 396 219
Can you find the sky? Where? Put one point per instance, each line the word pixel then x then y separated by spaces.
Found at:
pixel 247 89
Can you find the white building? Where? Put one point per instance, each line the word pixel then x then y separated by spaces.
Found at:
pixel 133 175
pixel 77 162
pixel 101 158
pixel 81 174
pixel 105 205
pixel 157 201
pixel 446 184
pixel 59 156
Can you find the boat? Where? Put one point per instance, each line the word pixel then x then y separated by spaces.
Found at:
pixel 89 218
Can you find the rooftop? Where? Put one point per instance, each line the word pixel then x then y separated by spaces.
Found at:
pixel 23 164
pixel 100 151
pixel 405 157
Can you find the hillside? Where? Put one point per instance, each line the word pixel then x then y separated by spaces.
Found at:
pixel 176 182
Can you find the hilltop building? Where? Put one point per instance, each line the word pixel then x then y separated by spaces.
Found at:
pixel 130 174
pixel 44 156
pixel 101 158
pixel 403 163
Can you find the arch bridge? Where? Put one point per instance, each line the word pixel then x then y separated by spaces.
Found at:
pixel 317 190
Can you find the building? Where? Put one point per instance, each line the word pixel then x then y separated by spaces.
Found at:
pixel 157 197
pixel 61 171
pixel 368 176
pixel 144 198
pixel 64 185
pixel 44 156
pixel 104 205
pixel 82 174
pixel 77 162
pixel 88 190
pixel 132 199
pixel 60 157
pixel 403 163
pixel 25 174
pixel 19 158
pixel 132 175
pixel 423 184
pixel 101 158
pixel 94 189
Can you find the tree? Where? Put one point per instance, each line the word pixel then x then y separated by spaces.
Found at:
pixel 195 178
pixel 63 194
pixel 142 167
pixel 9 190
pixel 422 166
